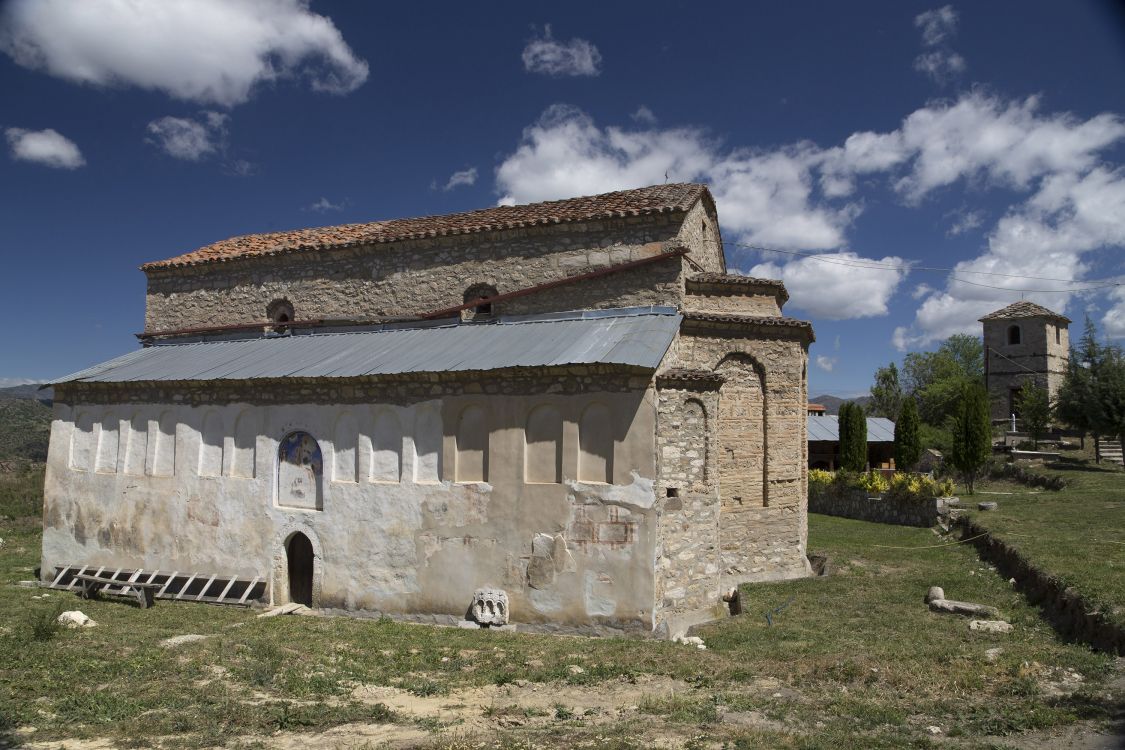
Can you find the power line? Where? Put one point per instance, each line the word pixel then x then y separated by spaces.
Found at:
pixel 1091 285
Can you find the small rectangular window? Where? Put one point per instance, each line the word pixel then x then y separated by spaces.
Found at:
pixel 1058 334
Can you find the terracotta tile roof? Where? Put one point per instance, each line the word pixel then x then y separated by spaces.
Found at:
pixel 737 280
pixel 803 326
pixel 1024 309
pixel 655 199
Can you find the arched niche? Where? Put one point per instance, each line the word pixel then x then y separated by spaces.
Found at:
pixel 108 444
pixel 595 444
pixel 427 444
pixel 742 429
pixel 136 445
pixel 386 447
pixel 164 453
pixel 543 446
pixel 344 453
pixel 472 445
pixel 300 472
pixel 82 442
pixel 211 445
pixel 244 453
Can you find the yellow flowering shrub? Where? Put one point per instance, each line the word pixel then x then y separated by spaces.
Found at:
pixel 874 482
pixel 819 480
pixel 920 485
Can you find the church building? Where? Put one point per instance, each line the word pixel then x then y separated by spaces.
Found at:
pixel 572 401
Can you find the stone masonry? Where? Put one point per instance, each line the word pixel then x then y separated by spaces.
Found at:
pixel 664 487
pixel 1023 342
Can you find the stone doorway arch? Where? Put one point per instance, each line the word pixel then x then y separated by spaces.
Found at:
pixel 300 565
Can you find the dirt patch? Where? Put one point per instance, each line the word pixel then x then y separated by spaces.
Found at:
pixel 525 704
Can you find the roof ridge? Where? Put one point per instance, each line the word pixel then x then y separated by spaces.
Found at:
pixel 1023 309
pixel 642 201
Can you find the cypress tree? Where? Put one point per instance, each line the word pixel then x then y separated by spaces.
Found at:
pixel 972 434
pixel 853 437
pixel 908 438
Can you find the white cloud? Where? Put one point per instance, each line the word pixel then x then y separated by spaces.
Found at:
pixel 47 147
pixel 464 177
pixel 209 51
pixel 324 205
pixel 1114 320
pixel 979 138
pixel 940 62
pixel 937 25
pixel 13 382
pixel 801 195
pixel 921 291
pixel 766 197
pixel 825 363
pixel 547 55
pixel 1047 236
pixel 644 116
pixel 827 286
pixel 187 139
pixel 940 65
pixel 965 221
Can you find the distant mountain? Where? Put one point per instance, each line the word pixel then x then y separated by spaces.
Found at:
pixel 25 423
pixel 831 404
pixel 30 391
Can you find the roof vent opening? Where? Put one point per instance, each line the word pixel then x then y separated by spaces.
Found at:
pixel 482 294
pixel 279 312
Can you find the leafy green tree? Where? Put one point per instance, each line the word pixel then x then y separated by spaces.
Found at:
pixel 1092 395
pixel 1110 393
pixel 1077 400
pixel 972 433
pixel 853 437
pixel 938 378
pixel 908 437
pixel 1035 408
pixel 886 394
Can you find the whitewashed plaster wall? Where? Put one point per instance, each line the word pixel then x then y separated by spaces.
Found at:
pixel 194 489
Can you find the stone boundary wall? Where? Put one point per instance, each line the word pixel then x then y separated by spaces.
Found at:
pixel 1064 607
pixel 859 505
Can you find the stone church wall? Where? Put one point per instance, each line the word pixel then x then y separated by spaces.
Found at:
pixel 687 549
pixel 419 276
pixel 762 532
pixel 423 491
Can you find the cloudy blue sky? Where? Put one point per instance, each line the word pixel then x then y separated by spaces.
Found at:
pixel 859 150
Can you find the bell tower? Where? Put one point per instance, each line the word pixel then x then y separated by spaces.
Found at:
pixel 1023 341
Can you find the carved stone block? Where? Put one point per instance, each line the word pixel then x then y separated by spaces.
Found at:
pixel 490 607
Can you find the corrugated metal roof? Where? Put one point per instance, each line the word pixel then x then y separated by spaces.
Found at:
pixel 879 429
pixel 633 336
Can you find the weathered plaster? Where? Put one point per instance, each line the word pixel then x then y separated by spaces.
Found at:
pixel 408 546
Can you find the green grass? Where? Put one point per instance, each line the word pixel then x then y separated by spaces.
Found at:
pixel 854 660
pixel 1076 534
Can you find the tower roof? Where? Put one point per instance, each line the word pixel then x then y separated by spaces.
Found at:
pixel 1024 309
